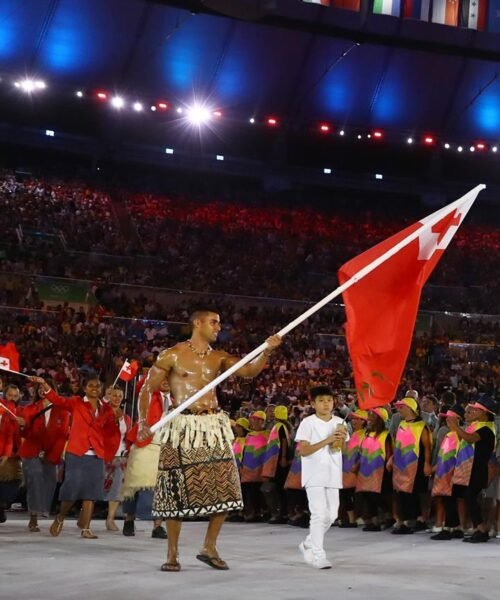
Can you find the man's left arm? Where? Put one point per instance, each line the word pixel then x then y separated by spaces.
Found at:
pixel 256 366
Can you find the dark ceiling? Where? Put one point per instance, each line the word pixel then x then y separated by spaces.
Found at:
pixel 150 50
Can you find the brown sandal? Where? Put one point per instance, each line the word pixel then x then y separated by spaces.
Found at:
pixel 172 567
pixel 213 561
pixel 33 527
pixel 56 527
pixel 88 535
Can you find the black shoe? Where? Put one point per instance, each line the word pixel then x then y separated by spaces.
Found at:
pixel 128 528
pixel 159 533
pixel 3 516
pixel 348 525
pixel 420 526
pixel 457 534
pixel 402 530
pixel 478 537
pixel 388 524
pixel 372 527
pixel 442 535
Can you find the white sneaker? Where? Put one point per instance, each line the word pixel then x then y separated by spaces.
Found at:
pixel 307 553
pixel 498 535
pixel 434 530
pixel 321 562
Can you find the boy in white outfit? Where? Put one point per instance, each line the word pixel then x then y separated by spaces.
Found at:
pixel 321 471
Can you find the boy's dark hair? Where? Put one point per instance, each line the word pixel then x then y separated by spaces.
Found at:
pixel 320 390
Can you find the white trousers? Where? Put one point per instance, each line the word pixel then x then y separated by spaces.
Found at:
pixel 324 508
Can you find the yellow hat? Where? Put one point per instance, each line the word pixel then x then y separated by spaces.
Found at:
pixel 381 412
pixel 243 422
pixel 258 414
pixel 409 402
pixel 359 414
pixel 281 413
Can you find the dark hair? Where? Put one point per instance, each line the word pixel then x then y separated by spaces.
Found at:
pixel 89 379
pixel 10 386
pixel 320 390
pixel 379 425
pixel 449 398
pixel 199 314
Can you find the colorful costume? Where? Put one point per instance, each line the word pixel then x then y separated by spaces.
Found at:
pixel 407 455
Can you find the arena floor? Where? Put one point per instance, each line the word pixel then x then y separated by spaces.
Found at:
pixel 264 561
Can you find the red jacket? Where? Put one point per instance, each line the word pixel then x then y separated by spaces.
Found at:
pixel 112 441
pixel 39 437
pixel 155 411
pixel 10 437
pixel 87 431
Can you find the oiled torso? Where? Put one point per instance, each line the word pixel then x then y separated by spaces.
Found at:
pixel 187 373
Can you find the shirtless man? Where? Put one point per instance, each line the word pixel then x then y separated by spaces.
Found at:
pixel 197 474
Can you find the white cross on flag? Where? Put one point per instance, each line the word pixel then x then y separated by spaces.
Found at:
pixel 382 306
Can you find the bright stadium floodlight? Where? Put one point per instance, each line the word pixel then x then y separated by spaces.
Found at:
pixel 169 150
pixel 117 102
pixel 138 106
pixel 220 157
pixel 379 176
pixel 447 146
pixel 327 171
pixel 494 149
pixel 49 133
pixel 251 120
pixel 79 94
pixel 29 86
pixel 341 132
pixel 198 115
pixel 460 149
pixel 409 140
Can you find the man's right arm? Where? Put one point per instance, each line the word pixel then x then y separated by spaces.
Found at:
pixel 158 372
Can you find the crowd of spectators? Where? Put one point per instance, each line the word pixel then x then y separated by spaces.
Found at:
pixel 39 209
pixel 225 248
pixel 67 344
pixel 220 247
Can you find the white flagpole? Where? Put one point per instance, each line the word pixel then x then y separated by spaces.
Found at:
pixel 15 372
pixel 133 398
pixel 120 372
pixel 430 221
pixel 6 408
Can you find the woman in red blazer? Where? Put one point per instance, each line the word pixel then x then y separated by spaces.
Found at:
pixel 46 429
pixel 10 440
pixel 92 422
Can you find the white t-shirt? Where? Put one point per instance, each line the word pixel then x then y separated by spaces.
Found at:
pixel 323 468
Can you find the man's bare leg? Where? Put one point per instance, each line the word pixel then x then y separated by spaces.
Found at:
pixel 173 532
pixel 210 544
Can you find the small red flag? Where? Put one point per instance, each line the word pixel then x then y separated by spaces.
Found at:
pixel 129 370
pixel 382 307
pixel 9 357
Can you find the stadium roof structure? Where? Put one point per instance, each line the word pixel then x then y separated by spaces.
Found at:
pixel 297 61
